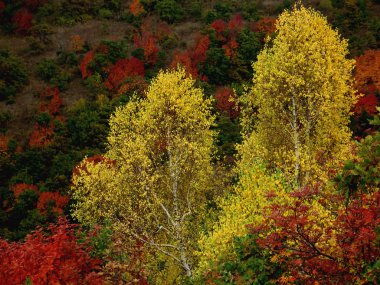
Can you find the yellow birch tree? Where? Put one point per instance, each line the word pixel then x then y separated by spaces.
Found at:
pixel 153 182
pixel 302 93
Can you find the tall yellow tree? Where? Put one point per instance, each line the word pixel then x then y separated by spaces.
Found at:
pixel 153 181
pixel 302 93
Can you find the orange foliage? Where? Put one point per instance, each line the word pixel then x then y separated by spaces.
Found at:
pixel 3 143
pixel 20 188
pixel 136 8
pixel 59 202
pixel 368 70
pixel 84 64
pixel 148 43
pixel 41 136
pixel 193 57
pixel 225 102
pixel 121 70
pixel 231 48
pixel 94 160
pixel 76 43
pixel 50 101
pixel 265 25
pixel 133 83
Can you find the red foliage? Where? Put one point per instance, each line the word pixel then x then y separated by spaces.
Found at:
pixel 368 70
pixel 84 64
pixel 23 20
pixel 95 160
pixel 20 188
pixel 220 27
pixel 265 25
pixel 148 43
pixel 3 143
pixel 48 259
pixel 133 83
pixel 225 102
pixel 368 104
pixel 136 8
pixel 121 70
pixel 41 136
pixel 236 23
pixel 59 202
pixel 230 48
pixel 50 101
pixel 303 244
pixel 2 6
pixel 192 58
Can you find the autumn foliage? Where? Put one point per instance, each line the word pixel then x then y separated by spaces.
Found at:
pixel 121 70
pixel 136 8
pixel 54 258
pixel 52 201
pixel 314 244
pixel 264 25
pixel 84 64
pixel 225 102
pixel 23 20
pixel 148 42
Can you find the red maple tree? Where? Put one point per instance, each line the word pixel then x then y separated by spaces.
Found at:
pixel 148 42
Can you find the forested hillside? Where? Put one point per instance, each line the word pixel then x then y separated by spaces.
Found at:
pixel 189 142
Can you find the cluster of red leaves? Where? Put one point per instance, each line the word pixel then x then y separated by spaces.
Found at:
pixel 225 102
pixel 264 25
pixel 48 259
pixel 148 42
pixel 302 243
pixel 2 6
pixel 76 43
pixel 20 188
pixel 54 199
pixel 121 70
pixel 94 160
pixel 227 33
pixel 193 57
pixel 41 136
pixel 51 102
pixel 84 64
pixel 22 20
pixel 131 84
pixel 4 143
pixel 136 8
pixel 367 76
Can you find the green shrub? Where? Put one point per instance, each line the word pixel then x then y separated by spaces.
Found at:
pixel 47 69
pixel 13 75
pixel 169 11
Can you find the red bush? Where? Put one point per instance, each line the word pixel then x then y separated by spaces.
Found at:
pixel 121 70
pixel 84 64
pixel 48 259
pixel 41 136
pixel 20 188
pixel 2 6
pixel 236 23
pixel 23 20
pixel 136 8
pixel 59 202
pixel 148 43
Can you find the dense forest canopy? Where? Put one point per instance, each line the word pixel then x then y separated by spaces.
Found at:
pixel 189 142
